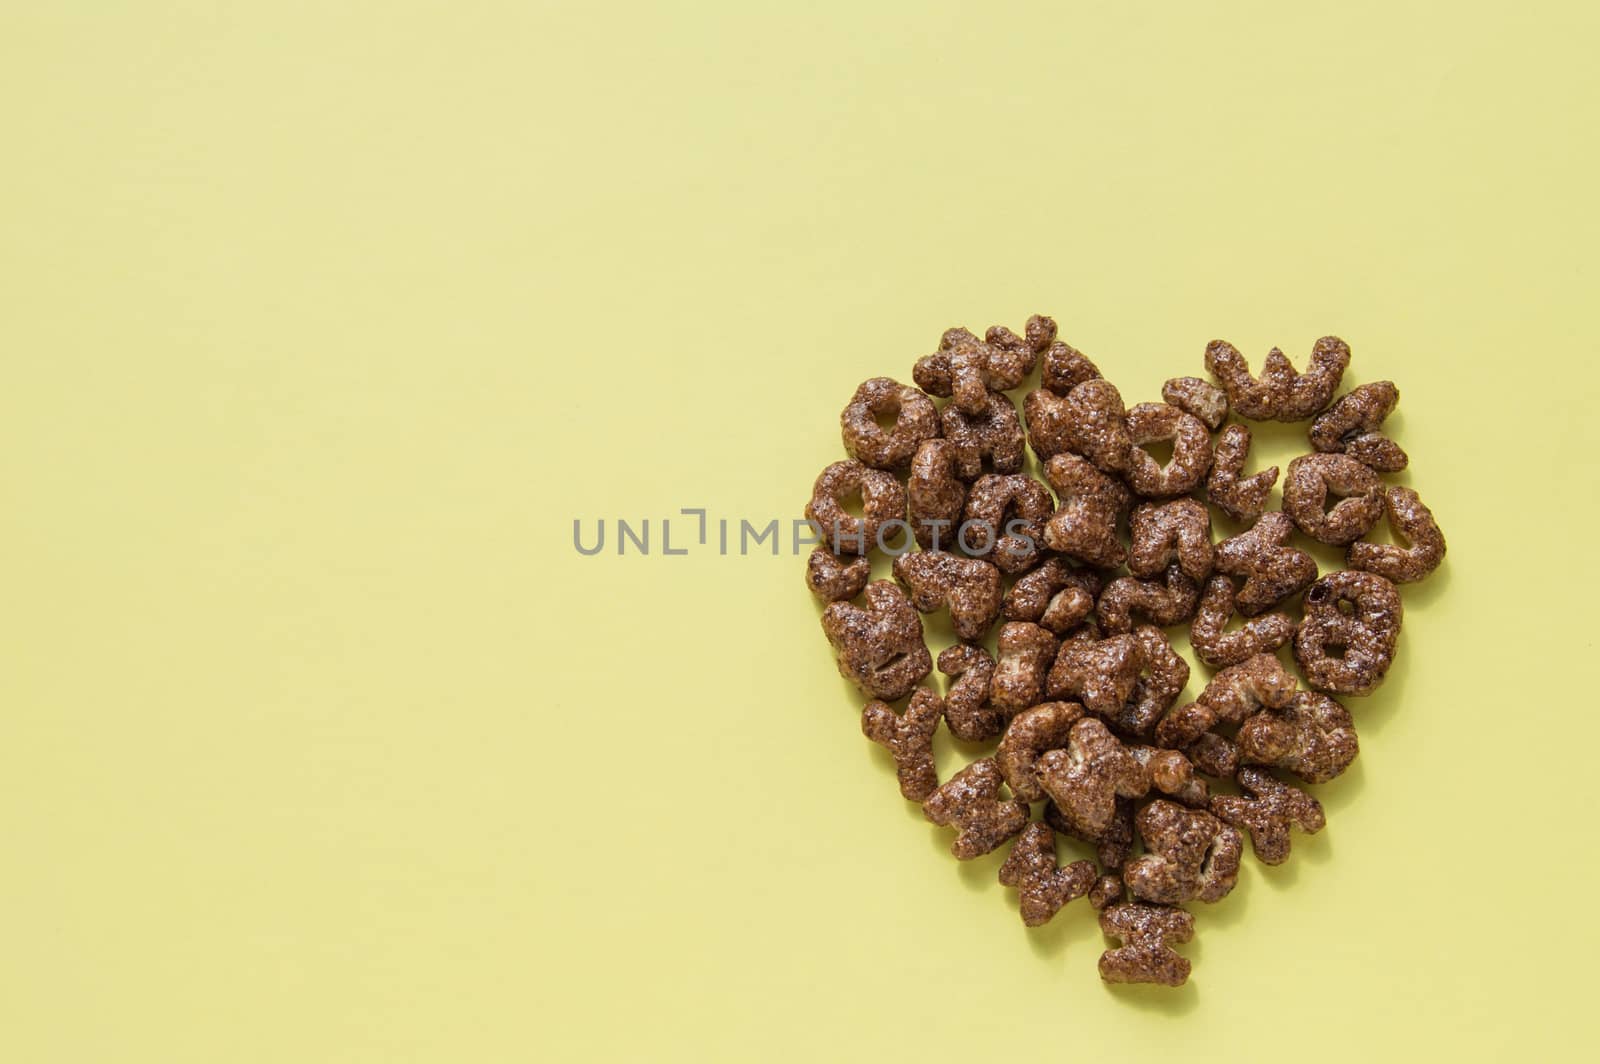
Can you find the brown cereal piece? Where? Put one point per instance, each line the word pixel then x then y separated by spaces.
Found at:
pixel 1085 524
pixel 1232 695
pixel 1350 426
pixel 1305 492
pixel 882 500
pixel 1191 450
pixel 832 578
pixel 1091 421
pixel 1190 855
pixel 1049 421
pixel 1312 737
pixel 1271 571
pixel 1281 394
pixel 1348 653
pixel 1162 602
pixel 1004 521
pixel 1147 933
pixel 1043 886
pixel 971 803
pixel 1056 595
pixel 1270 810
pixel 993 433
pixel 1214 755
pixel 1107 891
pixel 1100 673
pixel 1184 725
pixel 1421 546
pixel 1218 647
pixel 936 494
pixel 1085 779
pixel 1025 653
pixel 968 713
pixel 1065 367
pixel 908 737
pixel 1239 690
pixel 1167 532
pixel 1047 726
pixel 1197 397
pixel 970 587
pixel 965 368
pixel 915 419
pixel 1241 498
pixel 1130 680
pixel 879 647
pixel 1162 677
pixel 1172 774
pixel 1098 425
pixel 1113 846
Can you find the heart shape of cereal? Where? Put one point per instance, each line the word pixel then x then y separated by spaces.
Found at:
pixel 1062 585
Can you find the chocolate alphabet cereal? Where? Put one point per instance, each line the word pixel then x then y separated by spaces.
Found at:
pixel 1082 699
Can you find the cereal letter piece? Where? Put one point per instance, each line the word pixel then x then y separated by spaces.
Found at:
pixel 971 803
pixel 937 495
pixel 1047 726
pixel 1100 673
pixel 1270 810
pixel 1172 774
pixel 1161 602
pixel 908 737
pixel 970 587
pixel 1004 521
pixel 1348 653
pixel 970 715
pixel 1312 478
pixel 1026 651
pixel 1281 394
pixel 1218 647
pixel 1043 887
pixel 1147 933
pixel 915 419
pixel 1350 426
pixel 1085 524
pixel 1422 544
pixel 833 578
pixel 1312 737
pixel 994 434
pixel 1085 779
pixel 1065 367
pixel 879 647
pixel 1241 498
pixel 1056 595
pixel 966 368
pixel 1170 532
pixel 1191 450
pixel 1270 570
pixel 1113 845
pixel 1197 397
pixel 1190 855
pixel 883 499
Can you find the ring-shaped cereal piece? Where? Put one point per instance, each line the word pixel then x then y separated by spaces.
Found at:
pixel 1191 450
pixel 883 499
pixel 915 419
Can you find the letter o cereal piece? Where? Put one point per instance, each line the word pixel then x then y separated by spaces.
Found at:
pixel 1191 450
pixel 883 499
pixel 915 419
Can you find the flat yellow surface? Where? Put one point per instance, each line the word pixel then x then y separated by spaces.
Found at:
pixel 323 322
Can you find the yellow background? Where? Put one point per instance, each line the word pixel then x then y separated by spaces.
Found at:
pixel 322 322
